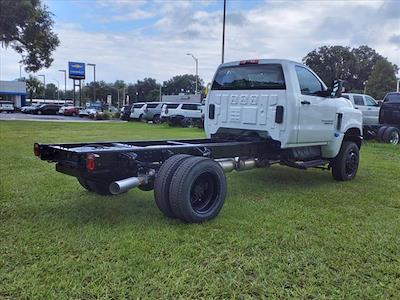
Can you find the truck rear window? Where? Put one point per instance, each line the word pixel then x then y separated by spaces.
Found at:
pixel 392 98
pixel 152 105
pixel 250 77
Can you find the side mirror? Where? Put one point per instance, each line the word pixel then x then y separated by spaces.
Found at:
pixel 336 89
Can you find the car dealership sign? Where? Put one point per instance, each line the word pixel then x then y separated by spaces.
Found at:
pixel 76 70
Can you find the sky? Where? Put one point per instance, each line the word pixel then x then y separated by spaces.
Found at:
pixel 134 39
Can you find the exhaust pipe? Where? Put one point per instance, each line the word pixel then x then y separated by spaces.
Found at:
pixel 124 185
pixel 230 164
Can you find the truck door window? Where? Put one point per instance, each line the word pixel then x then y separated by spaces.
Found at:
pixel 369 101
pixel 309 84
pixel 358 100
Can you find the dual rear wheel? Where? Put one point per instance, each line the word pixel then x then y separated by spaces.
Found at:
pixel 190 188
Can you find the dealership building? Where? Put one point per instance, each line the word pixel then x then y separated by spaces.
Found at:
pixel 14 91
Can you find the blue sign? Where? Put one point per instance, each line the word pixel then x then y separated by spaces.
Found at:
pixel 76 70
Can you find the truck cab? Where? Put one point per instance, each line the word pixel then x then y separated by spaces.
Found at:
pixel 280 100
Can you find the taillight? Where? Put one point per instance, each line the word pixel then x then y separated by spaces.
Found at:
pixel 36 149
pixel 249 62
pixel 90 162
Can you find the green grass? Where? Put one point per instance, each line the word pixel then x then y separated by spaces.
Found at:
pixel 282 232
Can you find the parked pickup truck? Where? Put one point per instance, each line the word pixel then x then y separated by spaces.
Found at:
pixel 257 113
pixel 389 118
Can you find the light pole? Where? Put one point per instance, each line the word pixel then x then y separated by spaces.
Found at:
pixel 94 80
pixel 223 32
pixel 44 83
pixel 197 68
pixel 20 71
pixel 58 89
pixel 65 84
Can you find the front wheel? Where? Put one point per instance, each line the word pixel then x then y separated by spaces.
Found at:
pixel 345 164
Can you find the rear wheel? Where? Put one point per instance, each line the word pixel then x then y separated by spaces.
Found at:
pixel 162 183
pixel 198 189
pixel 39 112
pixel 391 135
pixel 345 164
pixel 380 133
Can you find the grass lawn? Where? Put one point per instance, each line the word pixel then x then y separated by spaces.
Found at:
pixel 282 232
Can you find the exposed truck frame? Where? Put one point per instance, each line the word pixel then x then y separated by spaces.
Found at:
pixel 187 176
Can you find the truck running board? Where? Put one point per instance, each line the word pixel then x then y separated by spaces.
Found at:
pixel 317 163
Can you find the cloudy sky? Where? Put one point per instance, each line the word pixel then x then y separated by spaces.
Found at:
pixel 130 40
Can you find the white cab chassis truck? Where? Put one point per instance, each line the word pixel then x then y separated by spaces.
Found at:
pixel 257 113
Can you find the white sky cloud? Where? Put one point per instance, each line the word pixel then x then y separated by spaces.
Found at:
pixel 288 29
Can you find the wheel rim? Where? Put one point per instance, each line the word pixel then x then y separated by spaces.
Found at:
pixel 394 138
pixel 351 163
pixel 157 120
pixel 204 193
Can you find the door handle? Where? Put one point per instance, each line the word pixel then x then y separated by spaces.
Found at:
pixel 305 102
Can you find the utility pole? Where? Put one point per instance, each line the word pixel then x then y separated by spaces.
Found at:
pixel 65 84
pixel 44 83
pixel 94 80
pixel 20 71
pixel 223 32
pixel 197 68
pixel 160 93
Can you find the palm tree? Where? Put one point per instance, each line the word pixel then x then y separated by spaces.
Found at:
pixel 33 85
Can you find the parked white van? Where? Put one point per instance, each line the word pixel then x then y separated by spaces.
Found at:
pixel 137 111
pixel 185 114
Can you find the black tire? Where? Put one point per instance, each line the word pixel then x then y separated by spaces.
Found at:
pixel 162 183
pixel 198 190
pixel 345 164
pixel 99 187
pixel 83 182
pixel 156 119
pixel 380 133
pixel 141 118
pixel 391 135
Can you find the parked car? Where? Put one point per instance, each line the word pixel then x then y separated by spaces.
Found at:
pixel 368 107
pixel 6 106
pixel 88 112
pixel 71 111
pixel 184 114
pixel 62 108
pixel 126 112
pixel 152 112
pixel 46 109
pixel 27 109
pixel 137 111
pixel 389 118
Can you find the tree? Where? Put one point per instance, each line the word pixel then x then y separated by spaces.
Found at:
pixel 382 79
pixel 331 62
pixel 337 62
pixel 145 89
pixel 366 59
pixel 27 26
pixel 182 84
pixel 51 91
pixel 33 86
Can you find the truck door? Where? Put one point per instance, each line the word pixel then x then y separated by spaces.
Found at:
pixel 371 112
pixel 360 105
pixel 317 114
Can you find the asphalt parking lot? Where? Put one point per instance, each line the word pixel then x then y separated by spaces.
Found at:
pixel 29 117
